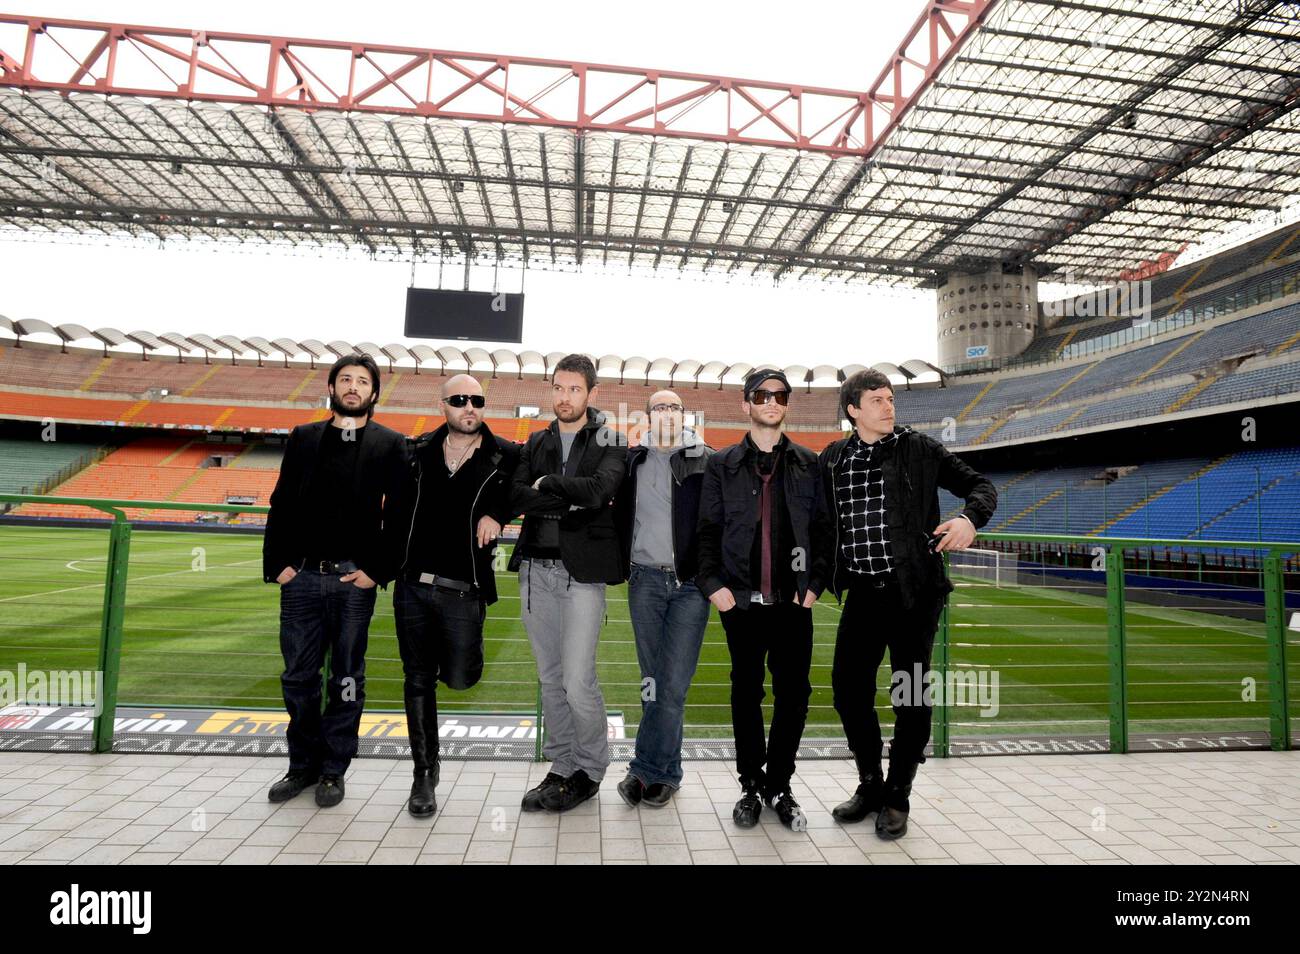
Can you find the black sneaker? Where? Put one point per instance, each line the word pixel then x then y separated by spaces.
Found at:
pixel 292 785
pixel 330 791
pixel 533 797
pixel 788 810
pixel 570 793
pixel 747 810
pixel 631 790
pixel 658 795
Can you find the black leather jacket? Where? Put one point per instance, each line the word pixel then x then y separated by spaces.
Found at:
pixel 584 502
pixel 492 474
pixel 728 518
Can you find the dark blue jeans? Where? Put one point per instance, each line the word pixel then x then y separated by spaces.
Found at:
pixel 316 610
pixel 439 636
pixel 668 622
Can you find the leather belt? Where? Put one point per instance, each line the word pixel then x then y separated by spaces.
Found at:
pixel 442 582
pixel 877 581
pixel 331 566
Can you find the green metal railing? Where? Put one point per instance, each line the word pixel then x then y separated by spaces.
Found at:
pixel 1117 643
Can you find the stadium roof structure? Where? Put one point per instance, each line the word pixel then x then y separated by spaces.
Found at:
pixel 446 358
pixel 1082 138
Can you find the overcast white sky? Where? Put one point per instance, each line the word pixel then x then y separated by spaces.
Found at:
pixel 828 44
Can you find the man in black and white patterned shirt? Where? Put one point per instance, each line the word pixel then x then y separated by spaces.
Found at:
pixel 882 486
pixel 860 506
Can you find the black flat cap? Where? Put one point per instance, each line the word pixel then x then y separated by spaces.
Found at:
pixel 755 378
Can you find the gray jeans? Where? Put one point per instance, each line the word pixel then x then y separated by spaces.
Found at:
pixel 562 618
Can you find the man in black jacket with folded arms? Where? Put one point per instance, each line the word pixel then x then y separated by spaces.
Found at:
pixel 882 486
pixel 447 518
pixel 762 562
pixel 324 546
pixel 568 551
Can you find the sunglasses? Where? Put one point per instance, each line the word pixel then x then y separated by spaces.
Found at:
pixel 460 400
pixel 762 397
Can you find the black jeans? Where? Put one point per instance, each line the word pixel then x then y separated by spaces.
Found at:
pixel 316 610
pixel 874 619
pixel 439 636
pixel 778 638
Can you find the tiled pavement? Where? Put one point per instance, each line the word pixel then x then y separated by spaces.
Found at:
pixel 1177 808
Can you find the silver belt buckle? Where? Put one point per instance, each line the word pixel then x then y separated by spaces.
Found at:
pixel 427 577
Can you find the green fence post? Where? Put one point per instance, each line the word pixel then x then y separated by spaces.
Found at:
pixel 1279 721
pixel 537 748
pixel 110 633
pixel 1116 650
pixel 939 664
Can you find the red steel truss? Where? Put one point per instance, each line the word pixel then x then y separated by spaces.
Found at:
pixel 201 65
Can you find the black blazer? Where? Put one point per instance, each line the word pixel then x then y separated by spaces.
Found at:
pixel 377 480
pixel 589 542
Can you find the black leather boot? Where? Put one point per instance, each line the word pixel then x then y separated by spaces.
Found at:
pixel 892 820
pixel 870 794
pixel 422 727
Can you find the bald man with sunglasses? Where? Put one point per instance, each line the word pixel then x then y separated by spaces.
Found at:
pixel 448 517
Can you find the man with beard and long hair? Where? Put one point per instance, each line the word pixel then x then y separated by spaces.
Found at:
pixel 446 520
pixel 568 551
pixel 764 536
pixel 324 547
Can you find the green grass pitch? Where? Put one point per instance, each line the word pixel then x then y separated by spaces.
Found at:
pixel 209 637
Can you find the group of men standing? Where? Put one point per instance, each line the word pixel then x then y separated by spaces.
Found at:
pixel 758 530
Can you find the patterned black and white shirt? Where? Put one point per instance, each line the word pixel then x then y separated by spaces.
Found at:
pixel 860 504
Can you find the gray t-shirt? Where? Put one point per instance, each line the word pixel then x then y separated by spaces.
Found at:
pixel 652 533
pixel 566 445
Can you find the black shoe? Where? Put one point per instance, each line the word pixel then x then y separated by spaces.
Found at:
pixel 533 797
pixel 747 810
pixel 330 791
pixel 570 793
pixel 423 802
pixel 867 799
pixel 422 730
pixel 892 820
pixel 659 794
pixel 631 790
pixel 788 810
pixel 292 785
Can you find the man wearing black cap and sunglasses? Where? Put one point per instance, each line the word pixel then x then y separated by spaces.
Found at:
pixel 446 520
pixel 763 542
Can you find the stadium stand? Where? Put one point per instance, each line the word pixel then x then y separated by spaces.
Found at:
pixel 1248 495
pixel 32 466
